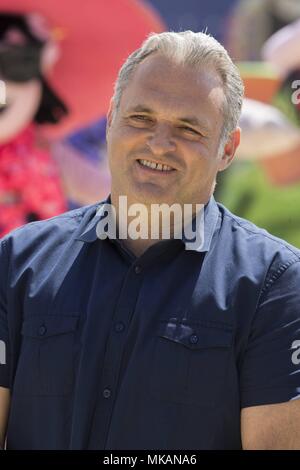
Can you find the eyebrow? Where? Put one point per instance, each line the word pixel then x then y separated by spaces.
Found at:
pixel 140 109
pixel 191 120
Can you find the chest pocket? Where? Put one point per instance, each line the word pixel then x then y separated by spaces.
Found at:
pixel 46 360
pixel 190 361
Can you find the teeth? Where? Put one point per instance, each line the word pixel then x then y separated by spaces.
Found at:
pixel 155 166
pixel 166 168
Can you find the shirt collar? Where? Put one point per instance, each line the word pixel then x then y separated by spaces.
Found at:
pixel 205 225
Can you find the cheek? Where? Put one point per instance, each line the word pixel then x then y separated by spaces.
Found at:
pixel 119 145
pixel 122 142
pixel 196 154
pixel 201 164
pixel 122 136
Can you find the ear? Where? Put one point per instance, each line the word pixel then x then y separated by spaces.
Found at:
pixel 229 149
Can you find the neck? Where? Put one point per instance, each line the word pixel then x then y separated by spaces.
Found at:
pixel 148 224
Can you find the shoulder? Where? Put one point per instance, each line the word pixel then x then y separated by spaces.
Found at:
pixel 47 234
pixel 255 245
pixel 252 234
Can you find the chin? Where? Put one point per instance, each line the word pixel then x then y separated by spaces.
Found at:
pixel 151 194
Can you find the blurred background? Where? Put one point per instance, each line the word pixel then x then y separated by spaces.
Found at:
pixel 59 63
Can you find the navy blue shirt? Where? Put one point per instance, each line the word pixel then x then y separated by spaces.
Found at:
pixel 108 351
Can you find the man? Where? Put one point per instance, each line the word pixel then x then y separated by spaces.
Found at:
pixel 137 343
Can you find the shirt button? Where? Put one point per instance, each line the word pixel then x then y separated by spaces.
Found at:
pixel 194 339
pixel 119 327
pixel 106 393
pixel 42 330
pixel 138 269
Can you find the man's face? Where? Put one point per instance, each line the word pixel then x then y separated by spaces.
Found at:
pixel 168 115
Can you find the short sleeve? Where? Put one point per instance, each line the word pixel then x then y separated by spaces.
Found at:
pixel 270 371
pixel 4 337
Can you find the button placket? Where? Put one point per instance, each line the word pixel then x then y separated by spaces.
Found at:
pixel 194 339
pixel 138 269
pixel 106 393
pixel 119 327
pixel 42 330
pixel 117 342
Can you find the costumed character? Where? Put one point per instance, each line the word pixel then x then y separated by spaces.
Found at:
pixel 59 62
pixel 30 187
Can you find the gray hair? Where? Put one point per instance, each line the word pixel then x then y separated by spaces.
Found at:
pixel 195 49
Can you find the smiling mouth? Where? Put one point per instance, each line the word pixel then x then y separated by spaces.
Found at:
pixel 155 166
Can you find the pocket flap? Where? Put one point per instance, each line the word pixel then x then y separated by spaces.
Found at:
pixel 48 325
pixel 197 335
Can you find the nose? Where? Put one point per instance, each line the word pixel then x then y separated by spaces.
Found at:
pixel 161 140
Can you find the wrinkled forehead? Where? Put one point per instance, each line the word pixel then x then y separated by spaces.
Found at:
pixel 158 81
pixel 157 67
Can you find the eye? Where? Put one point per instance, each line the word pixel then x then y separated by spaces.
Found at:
pixel 190 130
pixel 140 118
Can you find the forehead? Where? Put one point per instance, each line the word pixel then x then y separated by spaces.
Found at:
pixel 159 83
